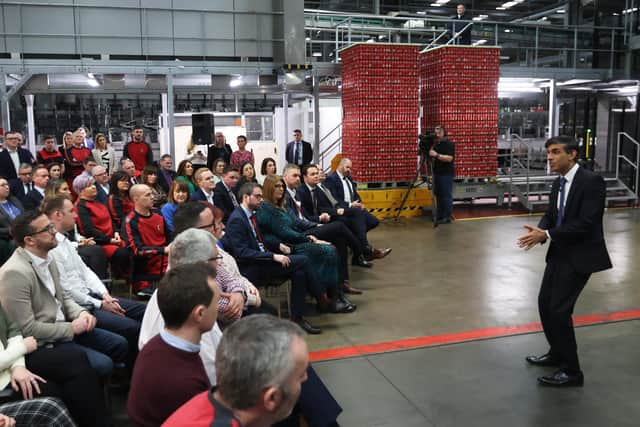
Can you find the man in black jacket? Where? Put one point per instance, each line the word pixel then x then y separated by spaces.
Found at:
pixel 573 225
pixel 299 152
pixel 13 156
pixel 223 195
pixel 458 24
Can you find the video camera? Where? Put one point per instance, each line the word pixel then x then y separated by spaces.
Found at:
pixel 426 142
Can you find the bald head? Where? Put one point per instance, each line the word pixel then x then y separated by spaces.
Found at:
pixel 344 167
pixel 137 190
pixel 142 197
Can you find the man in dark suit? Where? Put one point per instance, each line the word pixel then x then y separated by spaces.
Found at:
pixel 573 224
pixel 457 25
pixel 206 184
pixel 101 176
pixel 13 156
pixel 24 184
pixel 223 195
pixel 299 152
pixel 166 174
pixel 35 196
pixel 259 263
pixel 345 191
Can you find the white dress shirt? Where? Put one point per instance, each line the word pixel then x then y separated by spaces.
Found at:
pixel 41 266
pixel 570 176
pixel 15 158
pixel 75 277
pixel 153 323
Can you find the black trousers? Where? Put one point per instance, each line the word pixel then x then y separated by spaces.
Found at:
pixel 360 221
pixel 303 279
pixel 95 259
pixel 560 289
pixel 70 377
pixel 341 237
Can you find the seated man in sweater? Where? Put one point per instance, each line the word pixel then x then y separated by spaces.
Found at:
pixel 187 297
pixel 120 316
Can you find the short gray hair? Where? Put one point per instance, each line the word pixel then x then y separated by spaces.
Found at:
pixel 288 167
pixel 254 353
pixel 191 246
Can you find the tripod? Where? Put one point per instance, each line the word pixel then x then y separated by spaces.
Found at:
pixel 428 164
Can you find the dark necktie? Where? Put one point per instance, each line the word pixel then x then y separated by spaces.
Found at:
pixel 295 202
pixel 298 156
pixel 560 217
pixel 349 188
pixel 327 193
pixel 254 224
pixel 314 199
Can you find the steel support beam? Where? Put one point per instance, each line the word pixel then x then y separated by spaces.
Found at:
pixel 316 118
pixel 31 124
pixel 170 117
pixel 4 103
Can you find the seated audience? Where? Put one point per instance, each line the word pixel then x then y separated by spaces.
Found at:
pixel 149 177
pixel 218 169
pixel 247 174
pixel 185 173
pixel 10 208
pixel 260 263
pixel 23 185
pixel 56 170
pixel 34 299
pixel 120 204
pixel 127 166
pixel 206 184
pixel 187 298
pixel 277 227
pixel 39 411
pixel 118 315
pixel 28 372
pixel 224 195
pixel 57 187
pixel 146 235
pixel 88 164
pixel 40 181
pixel 268 167
pixel 178 194
pixel 103 187
pixel 189 247
pixel 49 153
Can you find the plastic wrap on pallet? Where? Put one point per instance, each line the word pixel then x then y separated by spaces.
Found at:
pixel 459 90
pixel 380 110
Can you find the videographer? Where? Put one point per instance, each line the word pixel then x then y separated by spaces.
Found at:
pixel 442 154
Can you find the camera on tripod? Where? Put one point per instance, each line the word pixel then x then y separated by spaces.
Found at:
pixel 426 142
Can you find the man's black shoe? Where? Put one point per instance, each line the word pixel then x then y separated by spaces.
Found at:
pixel 544 360
pixel 306 326
pixel 361 262
pixel 561 378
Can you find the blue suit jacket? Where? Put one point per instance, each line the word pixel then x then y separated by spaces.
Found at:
pixel 17 189
pixel 334 184
pixel 307 152
pixel 240 241
pixel 7 169
pixel 301 224
pixel 33 200
pixel 102 196
pixel 222 200
pixel 198 196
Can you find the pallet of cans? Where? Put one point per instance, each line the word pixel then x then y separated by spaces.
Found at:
pixel 459 90
pixel 380 106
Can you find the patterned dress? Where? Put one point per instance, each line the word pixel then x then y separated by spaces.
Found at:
pixel 277 226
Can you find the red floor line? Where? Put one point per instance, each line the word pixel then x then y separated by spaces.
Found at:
pixel 434 340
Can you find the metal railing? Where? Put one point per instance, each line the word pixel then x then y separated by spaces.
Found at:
pixel 622 160
pixel 531 45
pixel 324 153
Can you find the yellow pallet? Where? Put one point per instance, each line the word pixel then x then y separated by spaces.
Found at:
pixel 385 203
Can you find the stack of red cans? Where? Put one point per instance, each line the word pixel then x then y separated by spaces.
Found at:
pixel 380 110
pixel 459 90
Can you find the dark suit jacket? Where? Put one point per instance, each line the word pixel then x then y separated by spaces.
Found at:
pixel 102 196
pixel 222 200
pixel 240 241
pixel 7 169
pixel 334 184
pixel 33 200
pixel 307 152
pixel 17 189
pixel 199 196
pixel 163 182
pixel 5 221
pixel 301 224
pixel 457 25
pixel 579 240
pixel 324 206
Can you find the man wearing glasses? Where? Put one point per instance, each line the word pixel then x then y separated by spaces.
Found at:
pixel 13 156
pixel 33 298
pixel 24 184
pixel 102 184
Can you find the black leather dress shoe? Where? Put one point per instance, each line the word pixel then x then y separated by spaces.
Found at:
pixel 306 326
pixel 561 378
pixel 544 360
pixel 343 299
pixel 361 262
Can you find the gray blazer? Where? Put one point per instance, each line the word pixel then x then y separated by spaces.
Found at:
pixel 29 304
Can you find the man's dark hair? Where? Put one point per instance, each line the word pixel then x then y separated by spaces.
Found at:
pixel 137 127
pixel 53 204
pixel 44 138
pixel 229 168
pixel 297 131
pixel 21 226
pixel 88 159
pixel 247 189
pixel 306 168
pixel 164 156
pixel 567 142
pixel 186 216
pixel 242 137
pixel 181 289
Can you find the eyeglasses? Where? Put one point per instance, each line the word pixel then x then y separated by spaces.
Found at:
pixel 215 258
pixel 49 228
pixel 279 186
pixel 202 227
pixel 258 196
pixel 26 173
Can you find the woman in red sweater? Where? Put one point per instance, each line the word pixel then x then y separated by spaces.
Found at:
pixel 120 203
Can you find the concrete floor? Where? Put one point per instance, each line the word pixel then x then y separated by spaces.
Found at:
pixel 467 276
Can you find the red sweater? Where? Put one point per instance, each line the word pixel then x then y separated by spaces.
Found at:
pixel 44 157
pixel 140 153
pixel 73 158
pixel 145 235
pixel 94 221
pixel 163 379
